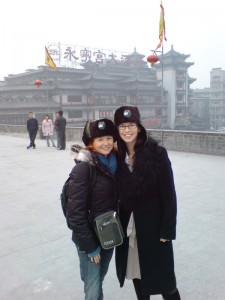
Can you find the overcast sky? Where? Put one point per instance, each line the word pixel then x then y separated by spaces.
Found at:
pixel 194 27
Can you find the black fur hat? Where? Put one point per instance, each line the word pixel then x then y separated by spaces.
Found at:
pixel 99 128
pixel 127 113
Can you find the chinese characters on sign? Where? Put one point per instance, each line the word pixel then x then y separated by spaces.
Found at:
pixel 74 56
pixel 70 55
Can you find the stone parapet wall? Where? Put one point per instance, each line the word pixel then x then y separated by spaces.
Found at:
pixel 212 143
pixel 13 130
pixel 21 131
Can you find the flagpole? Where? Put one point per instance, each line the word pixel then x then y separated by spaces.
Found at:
pixel 46 76
pixel 162 37
pixel 160 58
pixel 49 63
pixel 162 85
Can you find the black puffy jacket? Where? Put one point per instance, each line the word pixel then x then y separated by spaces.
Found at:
pixel 86 202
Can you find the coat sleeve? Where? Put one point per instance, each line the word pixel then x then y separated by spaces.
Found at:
pixel 168 198
pixel 43 126
pixel 51 128
pixel 78 198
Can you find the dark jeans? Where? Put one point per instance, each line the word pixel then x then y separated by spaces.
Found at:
pixel 32 136
pixel 93 274
pixel 62 139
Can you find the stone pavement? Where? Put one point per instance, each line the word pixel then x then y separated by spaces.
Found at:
pixel 37 257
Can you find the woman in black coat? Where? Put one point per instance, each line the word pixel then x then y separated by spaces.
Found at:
pixel 148 210
pixel 88 198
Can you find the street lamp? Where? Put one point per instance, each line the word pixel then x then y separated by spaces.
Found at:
pixel 152 59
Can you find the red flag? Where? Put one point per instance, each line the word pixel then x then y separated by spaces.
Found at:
pixel 162 27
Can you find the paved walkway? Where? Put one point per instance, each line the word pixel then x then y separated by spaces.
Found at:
pixel 37 257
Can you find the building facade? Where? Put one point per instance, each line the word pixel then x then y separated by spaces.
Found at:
pixel 97 89
pixel 200 119
pixel 217 99
pixel 176 81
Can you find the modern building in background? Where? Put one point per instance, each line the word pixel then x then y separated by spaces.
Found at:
pixel 97 88
pixel 217 99
pixel 200 119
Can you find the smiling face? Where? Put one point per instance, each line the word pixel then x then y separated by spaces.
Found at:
pixel 128 132
pixel 103 145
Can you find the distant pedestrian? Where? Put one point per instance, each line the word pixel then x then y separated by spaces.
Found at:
pixel 62 131
pixel 56 129
pixel 32 128
pixel 47 129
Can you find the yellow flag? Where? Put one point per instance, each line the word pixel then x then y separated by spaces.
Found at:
pixel 49 61
pixel 162 27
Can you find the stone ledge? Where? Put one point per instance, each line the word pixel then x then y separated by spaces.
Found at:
pixel 212 143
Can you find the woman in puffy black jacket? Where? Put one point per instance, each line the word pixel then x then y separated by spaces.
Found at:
pixel 88 199
pixel 148 209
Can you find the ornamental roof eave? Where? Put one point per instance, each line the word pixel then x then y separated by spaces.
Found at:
pixel 173 64
pixel 130 79
pixel 191 80
pixel 41 71
pixel 74 86
pixel 103 76
pixel 16 105
pixel 179 63
pixel 173 53
pixel 135 53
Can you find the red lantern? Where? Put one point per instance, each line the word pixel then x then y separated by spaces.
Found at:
pixel 38 83
pixel 152 59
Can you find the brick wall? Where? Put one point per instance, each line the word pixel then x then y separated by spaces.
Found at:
pixel 212 143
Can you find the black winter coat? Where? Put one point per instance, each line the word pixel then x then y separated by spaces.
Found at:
pixel 149 192
pixel 61 123
pixel 32 125
pixel 86 202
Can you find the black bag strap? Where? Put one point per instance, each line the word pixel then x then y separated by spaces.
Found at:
pixel 93 176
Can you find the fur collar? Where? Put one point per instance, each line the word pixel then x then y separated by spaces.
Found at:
pixel 80 154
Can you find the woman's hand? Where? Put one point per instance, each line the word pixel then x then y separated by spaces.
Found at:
pixel 95 256
pixel 164 240
pixel 96 259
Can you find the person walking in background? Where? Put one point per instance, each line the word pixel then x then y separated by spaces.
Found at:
pixel 32 128
pixel 85 203
pixel 148 209
pixel 47 129
pixel 56 129
pixel 62 131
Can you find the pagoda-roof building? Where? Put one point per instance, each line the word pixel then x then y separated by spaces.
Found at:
pixel 174 59
pixel 93 90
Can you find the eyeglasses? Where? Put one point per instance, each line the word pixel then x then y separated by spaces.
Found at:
pixel 131 127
